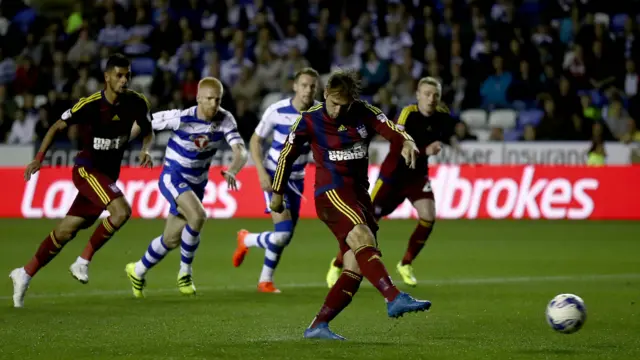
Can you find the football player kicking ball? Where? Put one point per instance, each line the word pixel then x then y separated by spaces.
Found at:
pixel 429 125
pixel 198 132
pixel 339 132
pixel 105 120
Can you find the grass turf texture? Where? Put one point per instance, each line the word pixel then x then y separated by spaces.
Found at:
pixel 489 282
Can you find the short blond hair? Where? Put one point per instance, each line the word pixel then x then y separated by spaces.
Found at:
pixel 428 80
pixel 210 81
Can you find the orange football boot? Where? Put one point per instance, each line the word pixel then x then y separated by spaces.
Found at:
pixel 268 287
pixel 241 250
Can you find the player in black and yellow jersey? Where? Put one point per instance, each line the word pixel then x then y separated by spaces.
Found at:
pixel 105 120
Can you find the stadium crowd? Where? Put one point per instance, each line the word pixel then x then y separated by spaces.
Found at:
pixel 567 68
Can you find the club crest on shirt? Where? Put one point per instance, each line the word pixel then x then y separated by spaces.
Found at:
pixel 362 130
pixel 200 141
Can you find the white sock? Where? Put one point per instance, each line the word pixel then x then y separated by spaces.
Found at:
pixel 82 261
pixel 155 252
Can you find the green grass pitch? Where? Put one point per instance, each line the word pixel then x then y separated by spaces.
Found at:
pixel 489 282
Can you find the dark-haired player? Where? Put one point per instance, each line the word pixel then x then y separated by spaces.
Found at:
pixel 339 132
pixel 105 120
pixel 430 125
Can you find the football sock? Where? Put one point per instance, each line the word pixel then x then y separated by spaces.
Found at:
pixel 338 261
pixel 275 243
pixel 257 239
pixel 156 251
pixel 417 240
pixel 339 297
pixel 100 236
pixel 368 258
pixel 48 249
pixel 188 247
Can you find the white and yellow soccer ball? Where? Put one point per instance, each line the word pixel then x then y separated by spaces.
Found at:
pixel 566 313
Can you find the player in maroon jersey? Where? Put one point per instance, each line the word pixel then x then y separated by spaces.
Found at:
pixel 430 125
pixel 105 120
pixel 339 132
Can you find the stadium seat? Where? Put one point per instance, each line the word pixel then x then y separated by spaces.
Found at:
pixel 617 23
pixel 602 18
pixel 503 118
pixel 474 118
pixel 143 66
pixel 529 117
pixel 24 18
pixel 142 83
pixel 269 99
pixel 513 135
pixel 482 134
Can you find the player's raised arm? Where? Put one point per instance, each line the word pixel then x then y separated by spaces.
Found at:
pixel 240 156
pixel 298 136
pixel 390 131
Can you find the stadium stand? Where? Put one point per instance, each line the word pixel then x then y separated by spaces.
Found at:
pixel 512 70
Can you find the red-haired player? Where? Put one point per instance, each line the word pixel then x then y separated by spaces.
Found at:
pixel 339 132
pixel 430 125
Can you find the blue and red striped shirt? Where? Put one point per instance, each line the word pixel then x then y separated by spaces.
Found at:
pixel 340 147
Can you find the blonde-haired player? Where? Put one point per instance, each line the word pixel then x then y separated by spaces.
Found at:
pixel 198 132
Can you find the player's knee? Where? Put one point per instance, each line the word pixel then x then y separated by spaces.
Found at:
pixel 360 236
pixel 64 233
pixel 171 242
pixel 283 233
pixel 120 216
pixel 281 238
pixel 196 221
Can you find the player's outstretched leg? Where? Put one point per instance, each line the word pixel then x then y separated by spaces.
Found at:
pixel 119 211
pixel 362 241
pixel 339 297
pixel 48 249
pixel 274 243
pixel 426 213
pixel 335 269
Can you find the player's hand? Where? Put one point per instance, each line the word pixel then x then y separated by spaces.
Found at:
pixel 277 203
pixel 230 178
pixel 265 181
pixel 434 148
pixel 410 153
pixel 145 159
pixel 31 169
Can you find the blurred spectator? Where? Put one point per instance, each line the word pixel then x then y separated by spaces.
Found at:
pixel 23 128
pixel 246 119
pixel 559 58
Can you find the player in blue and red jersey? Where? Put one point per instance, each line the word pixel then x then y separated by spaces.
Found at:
pixel 339 132
pixel 430 125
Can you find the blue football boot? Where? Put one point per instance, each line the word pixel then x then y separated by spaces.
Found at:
pixel 404 303
pixel 321 331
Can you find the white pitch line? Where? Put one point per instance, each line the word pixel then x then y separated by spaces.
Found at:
pixel 434 282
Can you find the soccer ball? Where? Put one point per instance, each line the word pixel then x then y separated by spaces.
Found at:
pixel 566 313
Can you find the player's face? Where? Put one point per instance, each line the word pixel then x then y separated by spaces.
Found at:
pixel 336 103
pixel 305 88
pixel 209 99
pixel 118 78
pixel 428 97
